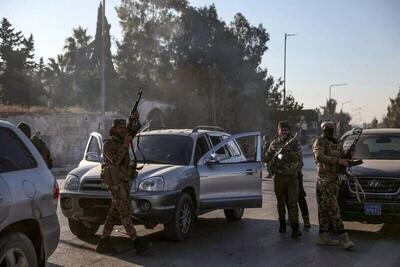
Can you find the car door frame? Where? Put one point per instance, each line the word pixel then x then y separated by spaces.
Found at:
pixel 99 139
pixel 249 197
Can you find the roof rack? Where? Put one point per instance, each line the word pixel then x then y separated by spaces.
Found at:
pixel 206 127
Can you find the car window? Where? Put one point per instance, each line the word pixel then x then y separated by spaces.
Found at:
pixel 375 146
pixel 164 149
pixel 14 155
pixel 202 148
pixel 93 146
pixel 243 149
pixel 215 140
pixel 233 148
pixel 248 145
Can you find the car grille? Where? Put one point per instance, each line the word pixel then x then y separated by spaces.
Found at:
pixel 93 185
pixel 94 202
pixel 95 207
pixel 374 185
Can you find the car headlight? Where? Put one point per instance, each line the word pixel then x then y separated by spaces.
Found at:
pixel 71 182
pixel 152 184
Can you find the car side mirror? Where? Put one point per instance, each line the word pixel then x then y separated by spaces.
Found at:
pixel 93 156
pixel 212 159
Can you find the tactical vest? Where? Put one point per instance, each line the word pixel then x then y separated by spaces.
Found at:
pixel 289 164
pixel 331 150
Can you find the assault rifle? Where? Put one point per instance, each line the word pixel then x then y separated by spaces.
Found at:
pixel 359 191
pixel 278 155
pixel 133 129
pixel 130 126
pixel 348 155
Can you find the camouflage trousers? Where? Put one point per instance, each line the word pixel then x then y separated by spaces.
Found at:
pixel 119 211
pixel 328 206
pixel 287 189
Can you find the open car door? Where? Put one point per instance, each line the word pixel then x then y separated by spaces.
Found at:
pixel 93 150
pixel 230 173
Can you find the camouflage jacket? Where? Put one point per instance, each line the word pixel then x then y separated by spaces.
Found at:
pixel 327 153
pixel 117 166
pixel 43 150
pixel 290 163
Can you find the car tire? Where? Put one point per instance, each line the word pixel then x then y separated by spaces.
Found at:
pixel 181 225
pixel 81 230
pixel 16 249
pixel 234 214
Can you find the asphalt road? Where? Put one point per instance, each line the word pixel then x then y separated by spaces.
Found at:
pixel 253 241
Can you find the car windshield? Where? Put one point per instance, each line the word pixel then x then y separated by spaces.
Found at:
pixel 377 146
pixel 164 149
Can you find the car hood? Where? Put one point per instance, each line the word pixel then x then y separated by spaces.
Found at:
pixel 373 168
pixel 147 171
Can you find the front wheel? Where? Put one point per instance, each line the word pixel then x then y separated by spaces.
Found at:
pixel 81 230
pixel 16 249
pixel 180 227
pixel 234 214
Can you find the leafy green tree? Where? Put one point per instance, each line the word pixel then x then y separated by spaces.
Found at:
pixel 144 55
pixel 392 118
pixel 77 54
pixel 111 78
pixel 58 82
pixel 18 80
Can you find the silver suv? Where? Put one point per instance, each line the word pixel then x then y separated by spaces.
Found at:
pixel 186 173
pixel 29 227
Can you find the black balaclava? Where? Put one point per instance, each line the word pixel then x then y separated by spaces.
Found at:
pixel 328 129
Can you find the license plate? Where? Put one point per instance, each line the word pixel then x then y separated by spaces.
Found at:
pixel 372 209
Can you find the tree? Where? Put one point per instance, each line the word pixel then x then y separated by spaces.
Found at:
pixel 342 119
pixel 77 55
pixel 374 123
pixel 392 118
pixel 143 59
pixel 17 67
pixel 112 93
pixel 58 82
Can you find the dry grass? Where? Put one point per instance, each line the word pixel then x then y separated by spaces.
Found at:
pixel 16 110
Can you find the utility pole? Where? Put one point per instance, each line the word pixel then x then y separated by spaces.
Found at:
pixel 284 71
pixel 102 68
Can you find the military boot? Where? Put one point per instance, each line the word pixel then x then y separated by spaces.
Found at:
pixel 345 241
pixel 296 233
pixel 306 221
pixel 282 226
pixel 141 245
pixel 104 246
pixel 325 240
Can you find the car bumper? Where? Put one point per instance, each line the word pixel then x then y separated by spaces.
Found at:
pixel 352 210
pixel 51 233
pixel 147 208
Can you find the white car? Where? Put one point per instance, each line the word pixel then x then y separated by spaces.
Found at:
pixel 29 227
pixel 186 172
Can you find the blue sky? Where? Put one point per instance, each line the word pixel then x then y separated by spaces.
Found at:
pixel 355 42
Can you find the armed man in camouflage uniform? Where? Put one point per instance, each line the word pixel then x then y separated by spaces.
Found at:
pixel 285 170
pixel 118 173
pixel 328 157
pixel 38 142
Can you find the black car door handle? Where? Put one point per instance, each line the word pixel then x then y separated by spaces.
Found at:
pixel 250 172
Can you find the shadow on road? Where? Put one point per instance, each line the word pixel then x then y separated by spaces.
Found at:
pixel 249 242
pixel 213 242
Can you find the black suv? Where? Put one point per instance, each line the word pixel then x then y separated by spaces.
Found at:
pixel 379 176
